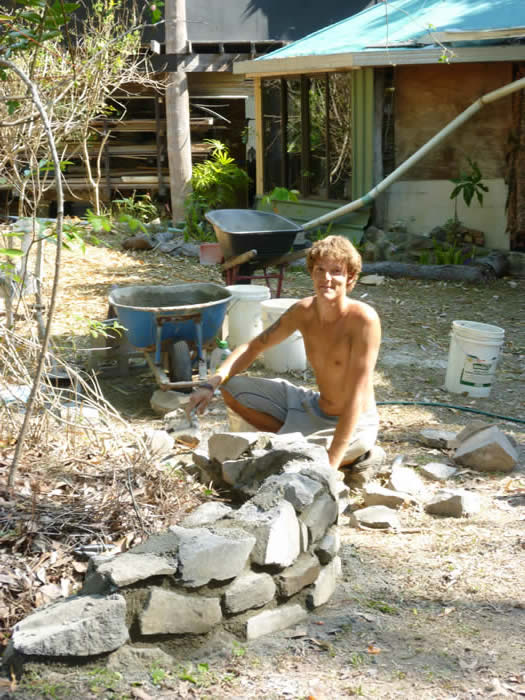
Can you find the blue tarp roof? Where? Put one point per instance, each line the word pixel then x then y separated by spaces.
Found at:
pixel 397 21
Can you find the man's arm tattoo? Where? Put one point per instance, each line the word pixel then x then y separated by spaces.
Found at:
pixel 266 333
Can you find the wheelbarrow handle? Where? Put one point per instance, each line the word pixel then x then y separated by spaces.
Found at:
pixel 239 259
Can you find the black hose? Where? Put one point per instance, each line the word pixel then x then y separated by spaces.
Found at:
pixel 448 405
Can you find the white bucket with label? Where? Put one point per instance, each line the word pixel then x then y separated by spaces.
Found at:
pixel 244 314
pixel 290 354
pixel 473 357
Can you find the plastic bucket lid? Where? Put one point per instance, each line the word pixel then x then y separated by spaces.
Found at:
pixel 478 331
pixel 249 292
pixel 278 306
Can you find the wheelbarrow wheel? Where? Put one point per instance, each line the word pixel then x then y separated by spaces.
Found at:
pixel 179 362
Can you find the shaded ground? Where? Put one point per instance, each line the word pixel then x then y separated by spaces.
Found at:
pixel 436 611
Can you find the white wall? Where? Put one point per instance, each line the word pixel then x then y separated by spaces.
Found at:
pixel 422 205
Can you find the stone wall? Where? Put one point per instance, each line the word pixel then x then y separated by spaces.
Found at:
pixel 253 568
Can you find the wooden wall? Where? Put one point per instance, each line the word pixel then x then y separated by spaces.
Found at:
pixel 428 97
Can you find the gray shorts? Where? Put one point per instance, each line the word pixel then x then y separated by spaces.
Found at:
pixel 298 409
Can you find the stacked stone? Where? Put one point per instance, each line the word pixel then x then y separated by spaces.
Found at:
pixel 254 569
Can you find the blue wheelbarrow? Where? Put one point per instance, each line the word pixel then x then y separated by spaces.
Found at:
pixel 174 321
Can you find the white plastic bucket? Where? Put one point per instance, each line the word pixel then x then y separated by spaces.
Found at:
pixel 473 357
pixel 290 354
pixel 244 314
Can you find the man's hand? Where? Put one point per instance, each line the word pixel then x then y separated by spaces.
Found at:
pixel 199 400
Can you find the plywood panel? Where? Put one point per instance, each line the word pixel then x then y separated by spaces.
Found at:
pixel 428 97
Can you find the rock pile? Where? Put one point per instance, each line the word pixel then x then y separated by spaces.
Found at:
pixel 479 446
pixel 253 569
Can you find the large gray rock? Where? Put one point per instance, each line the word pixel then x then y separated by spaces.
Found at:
pixel 375 517
pixel 376 495
pixel 276 531
pixel 328 546
pixel 227 446
pixel 438 471
pixel 205 555
pixel 77 626
pixel 406 480
pixel 318 517
pixel 297 489
pixel 437 438
pixel 274 620
pixel 296 577
pixel 282 455
pixel 487 450
pixel 250 590
pixel 168 612
pixel 124 569
pixel 206 514
pixel 325 585
pixel 454 503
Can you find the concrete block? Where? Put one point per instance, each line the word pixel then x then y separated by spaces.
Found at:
pixel 168 612
pixel 296 577
pixel 375 517
pixel 325 585
pixel 320 515
pixel 249 590
pixel 274 620
pixel 276 531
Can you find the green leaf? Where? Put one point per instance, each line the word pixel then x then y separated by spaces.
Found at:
pixel 12 252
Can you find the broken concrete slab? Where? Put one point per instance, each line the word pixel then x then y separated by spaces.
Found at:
pixel 159 443
pixel 250 590
pixel 124 569
pixel 434 437
pixel 274 620
pixel 454 503
pixel 438 471
pixel 77 626
pixel 163 402
pixel 471 429
pixel 168 612
pixel 276 531
pixel 206 555
pixel 296 577
pixel 487 450
pixel 206 514
pixel 359 475
pixel 325 585
pixel 128 657
pixel 297 489
pixel 228 446
pixel 328 546
pixel 375 517
pixel 406 480
pixel 318 517
pixel 376 495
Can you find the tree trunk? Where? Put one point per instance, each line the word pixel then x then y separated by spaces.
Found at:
pixel 448 273
pixel 178 111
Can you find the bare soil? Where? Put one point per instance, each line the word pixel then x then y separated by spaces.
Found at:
pixel 435 611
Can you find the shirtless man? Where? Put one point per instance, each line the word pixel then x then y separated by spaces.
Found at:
pixel 341 338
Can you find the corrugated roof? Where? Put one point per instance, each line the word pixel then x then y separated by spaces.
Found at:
pixel 396 22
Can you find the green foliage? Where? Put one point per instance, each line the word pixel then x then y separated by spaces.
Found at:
pixel 140 207
pixel 442 255
pixel 382 607
pixel 98 222
pixel 217 183
pixel 103 329
pixel 280 194
pixel 469 185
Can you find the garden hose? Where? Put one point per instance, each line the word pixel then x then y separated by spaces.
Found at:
pixel 448 405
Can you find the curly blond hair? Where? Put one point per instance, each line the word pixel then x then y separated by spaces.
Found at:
pixel 338 248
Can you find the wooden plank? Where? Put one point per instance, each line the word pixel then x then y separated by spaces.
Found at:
pixel 259 138
pixel 239 259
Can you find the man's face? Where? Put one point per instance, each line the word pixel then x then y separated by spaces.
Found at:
pixel 330 278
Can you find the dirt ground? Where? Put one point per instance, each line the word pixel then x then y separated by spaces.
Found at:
pixel 434 611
